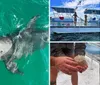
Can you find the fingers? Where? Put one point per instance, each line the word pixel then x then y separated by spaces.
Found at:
pixel 66 71
pixel 85 67
pixel 69 58
pixel 71 68
pixel 71 62
pixel 82 68
pixel 68 65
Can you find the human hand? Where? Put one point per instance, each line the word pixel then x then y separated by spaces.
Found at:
pixel 82 68
pixel 82 64
pixel 66 65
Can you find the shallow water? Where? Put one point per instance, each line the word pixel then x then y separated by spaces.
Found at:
pixel 15 14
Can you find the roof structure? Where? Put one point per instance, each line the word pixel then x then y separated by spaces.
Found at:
pixel 63 9
pixel 92 11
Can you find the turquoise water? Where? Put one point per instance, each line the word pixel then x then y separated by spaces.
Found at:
pixel 15 14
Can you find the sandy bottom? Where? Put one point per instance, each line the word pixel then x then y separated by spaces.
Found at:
pixel 89 77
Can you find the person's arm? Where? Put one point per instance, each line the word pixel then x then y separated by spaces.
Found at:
pixel 52 61
pixel 74 78
pixel 64 64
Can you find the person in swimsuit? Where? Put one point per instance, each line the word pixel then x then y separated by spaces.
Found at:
pixel 75 18
pixel 85 21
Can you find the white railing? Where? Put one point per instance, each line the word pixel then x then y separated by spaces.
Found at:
pixel 72 24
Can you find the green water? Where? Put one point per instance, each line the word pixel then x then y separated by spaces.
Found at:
pixel 16 14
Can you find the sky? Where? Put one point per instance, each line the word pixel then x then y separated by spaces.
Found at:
pixel 73 3
pixel 95 4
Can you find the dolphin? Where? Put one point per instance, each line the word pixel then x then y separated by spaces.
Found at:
pixel 21 43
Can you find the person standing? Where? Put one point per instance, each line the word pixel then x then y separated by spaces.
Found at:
pixel 75 18
pixel 85 21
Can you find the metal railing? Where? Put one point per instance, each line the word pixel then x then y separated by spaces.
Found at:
pixel 69 24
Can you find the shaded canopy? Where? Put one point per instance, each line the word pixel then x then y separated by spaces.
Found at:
pixel 63 9
pixel 92 11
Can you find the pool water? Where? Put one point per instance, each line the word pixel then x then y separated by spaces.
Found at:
pixel 15 14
